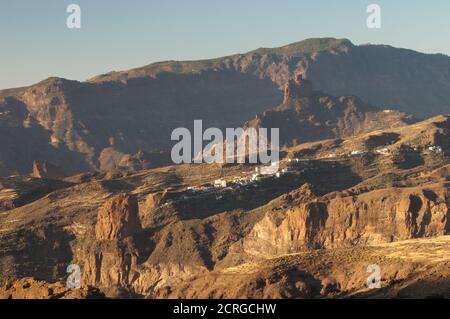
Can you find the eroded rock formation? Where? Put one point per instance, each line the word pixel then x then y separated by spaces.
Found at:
pixel 155 200
pixel 84 126
pixel 310 232
pixel 296 88
pixel 118 218
pixel 337 220
pixel 110 261
pixel 309 115
pixel 44 169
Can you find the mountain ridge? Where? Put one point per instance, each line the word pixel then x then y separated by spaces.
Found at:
pixel 105 123
pixel 310 45
pixel 307 115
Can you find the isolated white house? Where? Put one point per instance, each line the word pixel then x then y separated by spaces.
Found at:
pixel 357 152
pixel 220 183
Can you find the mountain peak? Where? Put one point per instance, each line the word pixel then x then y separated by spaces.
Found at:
pixel 309 46
pixel 298 87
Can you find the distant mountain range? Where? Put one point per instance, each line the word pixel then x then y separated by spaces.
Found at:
pixel 363 181
pixel 119 117
pixel 382 75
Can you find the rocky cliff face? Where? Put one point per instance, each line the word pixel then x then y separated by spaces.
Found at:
pixel 307 222
pixel 110 262
pixel 311 232
pixel 118 219
pixel 115 261
pixel 111 266
pixel 43 169
pixel 299 222
pixel 87 126
pixel 297 88
pixel 105 122
pixel 307 115
pixel 379 74
pixel 335 221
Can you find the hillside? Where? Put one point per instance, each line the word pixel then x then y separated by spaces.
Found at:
pixel 123 120
pixel 381 75
pixel 308 115
pixel 310 232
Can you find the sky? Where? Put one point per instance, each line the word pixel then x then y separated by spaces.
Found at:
pixel 118 35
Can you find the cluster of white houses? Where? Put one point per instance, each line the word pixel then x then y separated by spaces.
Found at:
pixel 274 171
pixel 386 151
pixel 435 149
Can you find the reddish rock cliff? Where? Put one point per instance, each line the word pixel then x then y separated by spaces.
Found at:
pixel 118 218
pixel 336 220
pixel 43 169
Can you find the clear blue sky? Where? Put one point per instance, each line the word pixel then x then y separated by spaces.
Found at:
pixel 118 35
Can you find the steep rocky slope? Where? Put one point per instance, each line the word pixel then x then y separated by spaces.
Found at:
pixel 312 232
pixel 110 121
pixel 86 126
pixel 381 75
pixel 408 269
pixel 309 115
